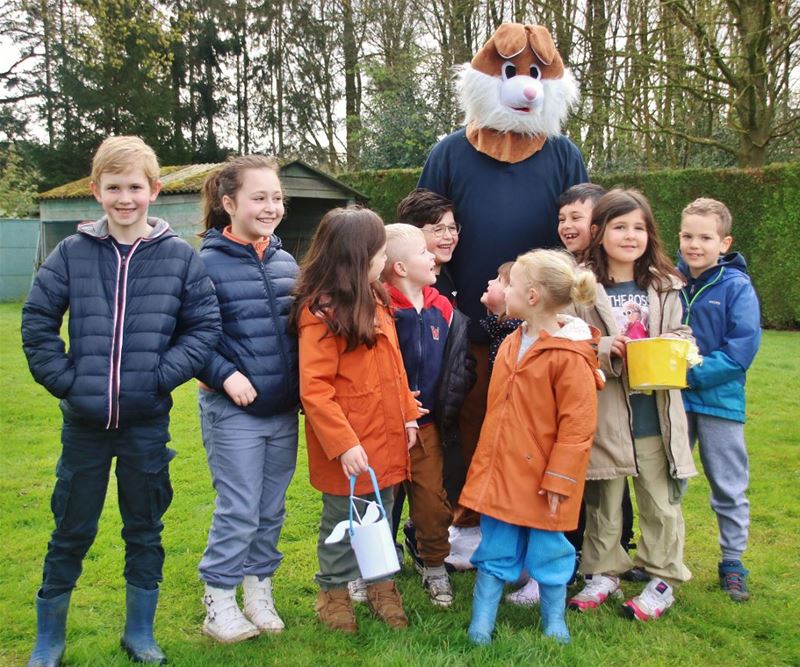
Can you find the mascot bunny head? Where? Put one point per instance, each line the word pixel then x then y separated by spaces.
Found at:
pixel 516 92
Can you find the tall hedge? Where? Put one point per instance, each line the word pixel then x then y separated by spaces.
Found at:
pixel 765 204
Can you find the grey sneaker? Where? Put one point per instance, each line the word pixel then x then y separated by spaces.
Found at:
pixel 733 580
pixel 437 582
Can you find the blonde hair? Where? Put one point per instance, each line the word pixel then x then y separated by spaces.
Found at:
pixel 397 237
pixel 116 155
pixel 558 277
pixel 706 206
pixel 227 180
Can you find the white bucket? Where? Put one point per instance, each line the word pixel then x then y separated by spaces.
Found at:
pixel 372 542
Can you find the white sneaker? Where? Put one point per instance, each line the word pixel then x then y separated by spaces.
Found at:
pixel 259 606
pixel 526 596
pixel 463 542
pixel 651 603
pixel 437 582
pixel 357 590
pixel 224 620
pixel 597 589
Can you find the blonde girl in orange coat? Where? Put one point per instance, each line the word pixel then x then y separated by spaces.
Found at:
pixel 526 478
pixel 353 388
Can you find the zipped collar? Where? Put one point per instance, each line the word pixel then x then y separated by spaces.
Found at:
pixel 216 240
pixel 400 300
pixel 733 261
pixel 98 229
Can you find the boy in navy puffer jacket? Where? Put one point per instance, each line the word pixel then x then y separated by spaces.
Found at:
pixel 721 306
pixel 433 342
pixel 143 319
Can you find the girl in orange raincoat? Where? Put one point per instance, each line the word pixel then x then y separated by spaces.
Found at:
pixel 526 478
pixel 353 388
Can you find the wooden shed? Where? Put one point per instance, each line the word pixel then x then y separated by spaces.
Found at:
pixel 309 191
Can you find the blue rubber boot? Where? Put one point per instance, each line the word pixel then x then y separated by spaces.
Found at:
pixel 138 639
pixel 553 601
pixel 485 600
pixel 51 630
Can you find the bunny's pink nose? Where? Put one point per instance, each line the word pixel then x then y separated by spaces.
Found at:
pixel 529 92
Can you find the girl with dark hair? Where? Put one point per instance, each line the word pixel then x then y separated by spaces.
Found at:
pixel 645 436
pixel 248 395
pixel 354 391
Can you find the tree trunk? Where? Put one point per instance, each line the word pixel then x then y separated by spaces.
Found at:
pixel 351 101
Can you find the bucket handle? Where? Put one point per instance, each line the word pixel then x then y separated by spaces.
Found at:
pixel 353 497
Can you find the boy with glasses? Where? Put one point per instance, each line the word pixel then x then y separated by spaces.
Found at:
pixel 433 214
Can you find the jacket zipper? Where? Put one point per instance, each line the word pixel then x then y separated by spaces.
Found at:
pixel 418 365
pixel 690 303
pixel 120 295
pixel 275 318
pixel 495 445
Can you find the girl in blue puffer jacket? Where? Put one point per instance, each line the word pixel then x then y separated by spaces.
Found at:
pixel 248 395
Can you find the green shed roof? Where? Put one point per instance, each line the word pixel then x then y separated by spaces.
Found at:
pixel 187 179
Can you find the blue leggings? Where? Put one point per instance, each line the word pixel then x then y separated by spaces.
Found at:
pixel 505 550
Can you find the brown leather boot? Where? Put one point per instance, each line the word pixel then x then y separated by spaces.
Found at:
pixel 335 609
pixel 385 602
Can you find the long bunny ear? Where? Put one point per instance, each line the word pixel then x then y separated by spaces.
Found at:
pixel 542 44
pixel 510 40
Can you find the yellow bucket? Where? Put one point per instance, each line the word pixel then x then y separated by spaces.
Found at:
pixel 657 363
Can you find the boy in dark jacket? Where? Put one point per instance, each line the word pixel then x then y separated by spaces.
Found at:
pixel 721 306
pixel 143 317
pixel 433 342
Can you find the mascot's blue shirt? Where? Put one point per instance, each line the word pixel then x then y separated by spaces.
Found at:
pixel 504 209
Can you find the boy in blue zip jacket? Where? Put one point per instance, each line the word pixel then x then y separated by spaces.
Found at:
pixel 143 318
pixel 721 307
pixel 433 342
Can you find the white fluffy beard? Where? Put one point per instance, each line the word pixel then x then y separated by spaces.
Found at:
pixel 479 95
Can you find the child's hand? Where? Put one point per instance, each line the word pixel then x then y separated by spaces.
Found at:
pixel 422 411
pixel 354 461
pixel 239 388
pixel 553 500
pixel 411 435
pixel 618 346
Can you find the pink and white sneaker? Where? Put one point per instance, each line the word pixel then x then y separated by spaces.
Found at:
pixel 651 603
pixel 598 588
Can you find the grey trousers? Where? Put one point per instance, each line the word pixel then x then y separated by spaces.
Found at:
pixel 252 460
pixel 724 455
pixel 337 561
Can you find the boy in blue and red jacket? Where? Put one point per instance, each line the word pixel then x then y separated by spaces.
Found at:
pixel 143 318
pixel 721 306
pixel 433 341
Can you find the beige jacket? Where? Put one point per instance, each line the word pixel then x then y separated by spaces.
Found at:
pixel 614 452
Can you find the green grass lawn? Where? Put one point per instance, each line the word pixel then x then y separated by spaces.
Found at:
pixel 703 628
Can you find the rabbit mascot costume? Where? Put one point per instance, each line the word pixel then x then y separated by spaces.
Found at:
pixel 504 172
